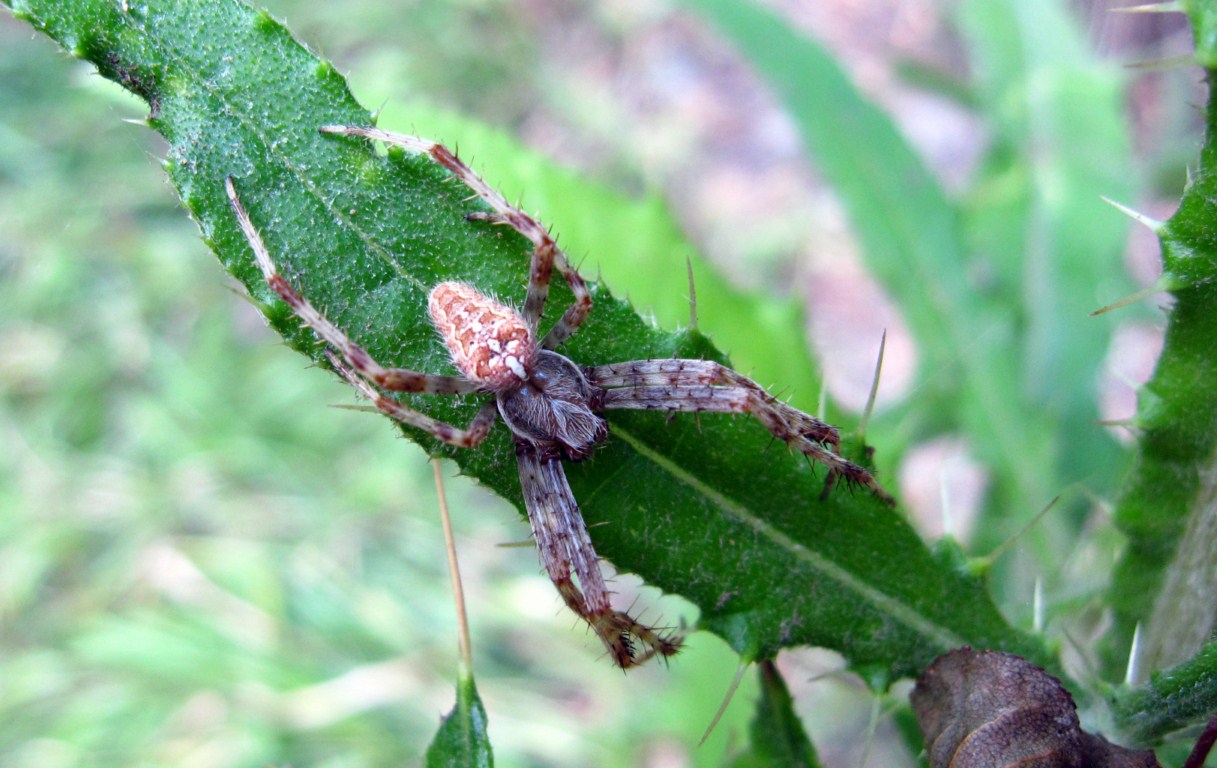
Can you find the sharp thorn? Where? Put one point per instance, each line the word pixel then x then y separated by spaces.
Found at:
pixel 1162 64
pixel 1171 6
pixel 692 295
pixel 722 708
pixel 874 386
pixel 1137 216
pixel 1132 673
pixel 1163 283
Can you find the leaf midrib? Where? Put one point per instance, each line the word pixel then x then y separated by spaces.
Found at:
pixel 731 508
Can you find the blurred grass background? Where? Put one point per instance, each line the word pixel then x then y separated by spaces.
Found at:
pixel 201 564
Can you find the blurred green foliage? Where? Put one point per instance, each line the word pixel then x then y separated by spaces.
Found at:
pixel 183 583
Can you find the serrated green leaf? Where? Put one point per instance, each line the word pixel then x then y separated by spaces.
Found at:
pixel 777 737
pixel 1167 579
pixel 704 511
pixel 461 741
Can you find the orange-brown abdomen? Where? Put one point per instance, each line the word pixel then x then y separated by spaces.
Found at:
pixel 488 340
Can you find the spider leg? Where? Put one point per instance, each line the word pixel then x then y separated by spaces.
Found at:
pixel 565 547
pixel 469 437
pixel 546 255
pixel 703 386
pixel 576 313
pixel 726 391
pixel 359 367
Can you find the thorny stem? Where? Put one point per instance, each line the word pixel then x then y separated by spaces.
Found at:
pixel 458 592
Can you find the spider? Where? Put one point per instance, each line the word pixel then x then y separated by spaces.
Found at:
pixel 551 405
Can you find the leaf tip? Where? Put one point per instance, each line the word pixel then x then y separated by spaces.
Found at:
pixel 978 567
pixel 21 10
pixel 264 22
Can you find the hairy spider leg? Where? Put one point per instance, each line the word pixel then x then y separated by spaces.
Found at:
pixel 546 255
pixel 565 546
pixel 469 437
pixel 704 386
pixel 678 372
pixel 393 379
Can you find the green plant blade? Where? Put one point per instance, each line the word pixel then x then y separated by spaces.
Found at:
pixel 777 736
pixel 461 740
pixel 708 511
pixel 1167 579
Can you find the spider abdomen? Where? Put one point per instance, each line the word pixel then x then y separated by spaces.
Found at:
pixel 490 342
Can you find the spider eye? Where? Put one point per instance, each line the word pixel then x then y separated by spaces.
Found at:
pixel 540 378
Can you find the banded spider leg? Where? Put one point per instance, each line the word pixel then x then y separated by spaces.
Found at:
pixel 704 386
pixel 365 368
pixel 546 255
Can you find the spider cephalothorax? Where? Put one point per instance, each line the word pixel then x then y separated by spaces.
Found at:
pixel 551 405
